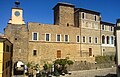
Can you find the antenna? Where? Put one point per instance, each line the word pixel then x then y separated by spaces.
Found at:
pixel 17 3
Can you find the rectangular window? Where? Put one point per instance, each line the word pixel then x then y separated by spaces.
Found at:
pixel 58 38
pixel 78 39
pixel 84 39
pixel 95 18
pixel 111 28
pixel 66 38
pixel 96 40
pixel 112 40
pixel 103 27
pixel 7 48
pixel 34 36
pixel 47 37
pixel 58 53
pixel 90 39
pixel 34 52
pixel 83 15
pixel 90 51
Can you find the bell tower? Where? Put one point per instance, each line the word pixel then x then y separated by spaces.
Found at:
pixel 17 32
pixel 17 15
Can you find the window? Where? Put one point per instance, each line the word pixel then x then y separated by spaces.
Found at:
pixel 78 39
pixel 96 40
pixel 103 39
pixel 58 38
pixel 111 39
pixel 90 40
pixel 95 18
pixel 103 49
pixel 35 36
pixel 107 39
pixel 66 38
pixel 34 52
pixel 7 48
pixel 67 24
pixel 84 39
pixel 103 27
pixel 47 37
pixel 83 15
pixel 58 53
pixel 111 28
pixel 90 51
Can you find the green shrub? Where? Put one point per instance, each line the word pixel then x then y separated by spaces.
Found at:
pixel 104 59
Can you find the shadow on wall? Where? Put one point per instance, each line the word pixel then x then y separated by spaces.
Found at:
pixel 108 75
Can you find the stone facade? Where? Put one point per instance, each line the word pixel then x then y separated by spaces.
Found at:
pixel 76 34
pixel 18 35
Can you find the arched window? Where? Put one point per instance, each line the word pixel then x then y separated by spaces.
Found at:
pixel 111 39
pixel 95 18
pixel 103 39
pixel 84 39
pixel 83 15
pixel 107 39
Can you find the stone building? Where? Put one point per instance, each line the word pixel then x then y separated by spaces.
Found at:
pixel 77 34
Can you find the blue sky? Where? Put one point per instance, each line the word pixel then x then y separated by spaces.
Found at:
pixel 41 10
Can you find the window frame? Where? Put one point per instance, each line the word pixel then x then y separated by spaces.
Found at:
pixel 77 38
pixel 46 37
pixel 65 38
pixel 112 40
pixel 89 39
pixel 107 40
pixel 34 53
pixel 103 41
pixel 103 27
pixel 59 54
pixel 83 15
pixel 83 39
pixel 95 17
pixel 57 37
pixel 96 41
pixel 33 36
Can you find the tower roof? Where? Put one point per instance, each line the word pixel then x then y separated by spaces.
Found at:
pixel 64 4
pixel 87 11
pixel 107 23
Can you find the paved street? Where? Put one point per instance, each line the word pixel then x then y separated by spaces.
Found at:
pixel 90 73
pixel 93 73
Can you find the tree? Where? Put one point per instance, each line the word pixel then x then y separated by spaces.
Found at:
pixel 70 62
pixel 61 65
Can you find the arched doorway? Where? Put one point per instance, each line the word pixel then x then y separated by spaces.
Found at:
pixel 18 68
